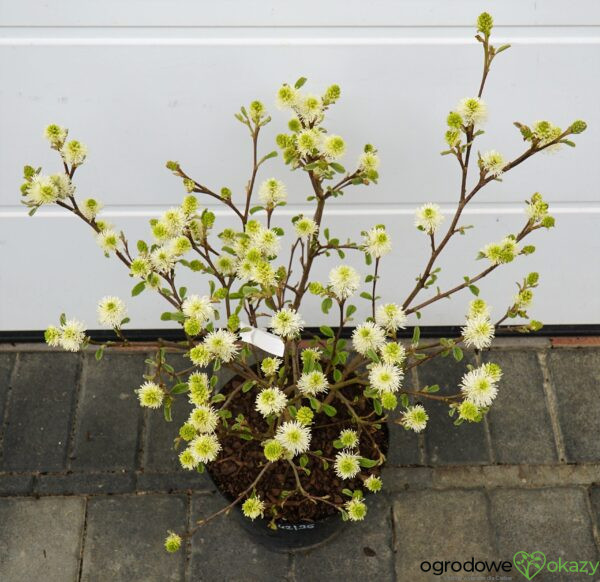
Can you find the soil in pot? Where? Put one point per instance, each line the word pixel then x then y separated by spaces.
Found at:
pixel 240 461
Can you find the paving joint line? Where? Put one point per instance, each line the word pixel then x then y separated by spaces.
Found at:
pixel 552 407
pixel 4 420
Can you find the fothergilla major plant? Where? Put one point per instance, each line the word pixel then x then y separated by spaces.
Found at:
pixel 300 432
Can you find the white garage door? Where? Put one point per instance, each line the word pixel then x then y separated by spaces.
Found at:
pixel 143 82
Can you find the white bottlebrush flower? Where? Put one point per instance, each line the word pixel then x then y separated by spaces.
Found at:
pixel 108 240
pixel 385 377
pixel 334 147
pixel 286 97
pixel 163 260
pixel 140 267
pixel 63 185
pixel 269 366
pixel 200 355
pixel 180 245
pixel 272 192
pixel 226 265
pixel 390 316
pixel 205 448
pixel 478 332
pixel 305 227
pixel 368 336
pixel 494 371
pixel 188 460
pixel 174 219
pixel 310 107
pixel 313 383
pixel 56 134
pixel 264 274
pixel 478 308
pixel 90 208
pixel 473 110
pixel 74 152
pixel 308 141
pixel 294 437
pixel 347 465
pixel 287 323
pixel 493 162
pixel 204 418
pixel 52 336
pixel 267 241
pixel 503 252
pixel 478 387
pixel 344 281
pixel 368 161
pixel 377 242
pixel 222 344
pixel 253 507
pixel 356 509
pixel 72 335
pixel 42 190
pixel 348 438
pixel 111 311
pixel 198 308
pixel 373 483
pixel 429 217
pixel 393 353
pixel 271 401
pixel 150 395
pixel 415 418
pixel 200 390
pixel 547 132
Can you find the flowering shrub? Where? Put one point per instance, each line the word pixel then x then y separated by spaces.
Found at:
pixel 303 386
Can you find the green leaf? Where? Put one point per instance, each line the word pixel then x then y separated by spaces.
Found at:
pixel 300 82
pixel 457 353
pixel 337 375
pixel 337 167
pixel 138 288
pixel 373 356
pixel 350 310
pixel 416 335
pixel 326 304
pixel 270 155
pixel 326 331
pixel 180 388
pixel 366 295
pixel 329 410
pixel 367 463
pixel 99 353
pixel 473 289
pixel 303 460
pixel 142 246
pixel 165 316
pixel 167 409
pixel 377 405
pixel 256 209
pixel 248 385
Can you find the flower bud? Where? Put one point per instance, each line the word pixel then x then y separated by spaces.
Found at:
pixel 578 126
pixel 485 23
pixel 172 543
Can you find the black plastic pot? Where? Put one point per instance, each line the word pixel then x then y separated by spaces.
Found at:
pixel 289 537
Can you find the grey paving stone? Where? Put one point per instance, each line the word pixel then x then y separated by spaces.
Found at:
pixel 519 422
pixel 7 361
pixel 447 444
pixel 440 525
pixel 400 478
pixel 223 552
pixel 15 484
pixel 555 522
pixel 159 454
pixel 362 551
pixel 125 536
pixel 40 539
pixel 41 403
pixel 85 483
pixel 176 481
pixel 109 414
pixel 575 375
pixel 404 446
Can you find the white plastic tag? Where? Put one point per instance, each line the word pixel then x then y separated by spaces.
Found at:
pixel 263 339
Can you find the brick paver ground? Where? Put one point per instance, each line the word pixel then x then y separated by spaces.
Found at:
pixel 88 484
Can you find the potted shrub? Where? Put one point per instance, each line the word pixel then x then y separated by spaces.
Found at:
pixel 298 436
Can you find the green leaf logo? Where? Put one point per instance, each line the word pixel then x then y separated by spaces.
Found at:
pixel 530 565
